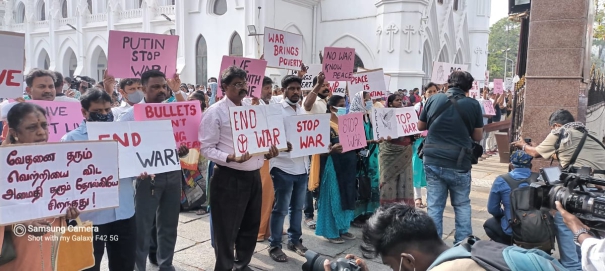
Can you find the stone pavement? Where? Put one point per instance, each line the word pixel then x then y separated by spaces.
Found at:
pixel 194 252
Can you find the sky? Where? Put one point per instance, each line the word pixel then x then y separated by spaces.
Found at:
pixel 499 11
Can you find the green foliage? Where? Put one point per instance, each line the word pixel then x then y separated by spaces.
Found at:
pixel 598 35
pixel 503 34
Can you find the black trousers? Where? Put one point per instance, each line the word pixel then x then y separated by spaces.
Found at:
pixel 120 239
pixel 494 231
pixel 235 199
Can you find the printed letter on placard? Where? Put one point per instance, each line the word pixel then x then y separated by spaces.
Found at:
pixel 184 116
pixel 42 181
pixel 256 128
pixel 255 69
pixel 62 117
pixel 144 146
pixel 372 81
pixel 308 134
pixel 282 49
pixel 338 63
pixel 351 131
pixel 11 64
pixel 132 53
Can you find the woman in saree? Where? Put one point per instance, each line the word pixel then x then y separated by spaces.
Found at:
pixel 417 164
pixel 27 124
pixel 395 158
pixel 336 201
pixel 367 164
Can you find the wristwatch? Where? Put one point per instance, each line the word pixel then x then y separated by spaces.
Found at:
pixel 577 234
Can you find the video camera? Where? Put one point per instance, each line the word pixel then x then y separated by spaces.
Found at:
pixel 75 83
pixel 572 190
pixel 315 262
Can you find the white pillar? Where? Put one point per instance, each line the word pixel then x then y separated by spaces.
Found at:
pixel 180 16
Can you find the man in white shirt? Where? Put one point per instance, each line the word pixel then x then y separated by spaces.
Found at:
pixel 290 178
pixel 317 100
pixel 235 193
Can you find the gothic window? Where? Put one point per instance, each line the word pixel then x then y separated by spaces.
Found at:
pixel 89 6
pixel 220 7
pixel 236 48
pixel 455 5
pixel 42 11
pixel 140 3
pixel 358 63
pixel 440 1
pixel 20 13
pixel 64 9
pixel 201 60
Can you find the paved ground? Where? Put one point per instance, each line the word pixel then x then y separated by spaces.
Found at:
pixel 194 252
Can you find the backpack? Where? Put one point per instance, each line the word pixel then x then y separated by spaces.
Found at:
pixel 532 228
pixel 494 256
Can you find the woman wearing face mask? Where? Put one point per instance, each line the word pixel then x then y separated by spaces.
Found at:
pixel 367 164
pixel 417 164
pixel 27 123
pixel 395 159
pixel 337 189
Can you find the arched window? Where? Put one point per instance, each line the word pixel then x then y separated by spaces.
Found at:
pixel 358 63
pixel 455 5
pixel 201 60
pixel 89 6
pixel 20 13
pixel 140 3
pixel 64 9
pixel 220 7
pixel 236 48
pixel 440 1
pixel 42 11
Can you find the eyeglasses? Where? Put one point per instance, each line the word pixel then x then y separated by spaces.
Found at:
pixel 241 85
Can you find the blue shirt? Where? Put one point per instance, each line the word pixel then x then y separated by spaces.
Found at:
pixel 498 203
pixel 125 188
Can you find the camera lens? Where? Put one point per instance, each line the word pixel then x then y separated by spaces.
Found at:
pixel 315 262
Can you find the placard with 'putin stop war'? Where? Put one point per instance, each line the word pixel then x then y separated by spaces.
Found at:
pixel 184 116
pixel 309 134
pixel 144 146
pixel 256 128
pixel 39 181
pixel 11 64
pixel 130 54
pixel 282 49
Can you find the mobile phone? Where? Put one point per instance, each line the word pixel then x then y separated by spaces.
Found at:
pixel 528 140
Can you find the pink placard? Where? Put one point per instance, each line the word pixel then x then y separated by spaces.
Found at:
pixel 255 69
pixel 62 117
pixel 132 53
pixel 338 63
pixel 488 107
pixel 351 131
pixel 498 86
pixel 185 118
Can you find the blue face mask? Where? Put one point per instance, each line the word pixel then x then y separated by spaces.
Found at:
pixel 369 105
pixel 341 111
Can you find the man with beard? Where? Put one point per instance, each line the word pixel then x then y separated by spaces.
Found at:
pixel 235 194
pixel 119 222
pixel 317 100
pixel 290 177
pixel 156 196
pixel 40 86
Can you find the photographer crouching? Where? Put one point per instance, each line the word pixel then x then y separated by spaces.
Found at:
pixel 574 147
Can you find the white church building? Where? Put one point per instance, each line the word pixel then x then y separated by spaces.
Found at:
pixel 403 37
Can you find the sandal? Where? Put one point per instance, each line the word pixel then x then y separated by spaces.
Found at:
pixel 200 212
pixel 357 224
pixel 298 248
pixel 419 204
pixel 311 224
pixel 347 236
pixel 278 255
pixel 336 240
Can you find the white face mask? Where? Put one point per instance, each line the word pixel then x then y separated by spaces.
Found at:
pixel 65 87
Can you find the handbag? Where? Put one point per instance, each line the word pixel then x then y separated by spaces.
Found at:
pixel 364 183
pixel 74 250
pixel 476 149
pixel 8 248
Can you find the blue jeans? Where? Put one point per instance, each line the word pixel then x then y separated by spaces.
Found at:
pixel 290 195
pixel 569 253
pixel 439 182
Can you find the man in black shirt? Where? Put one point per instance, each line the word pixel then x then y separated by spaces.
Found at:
pixel 448 150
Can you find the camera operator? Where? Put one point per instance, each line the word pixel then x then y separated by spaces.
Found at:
pixel 593 249
pixel 564 143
